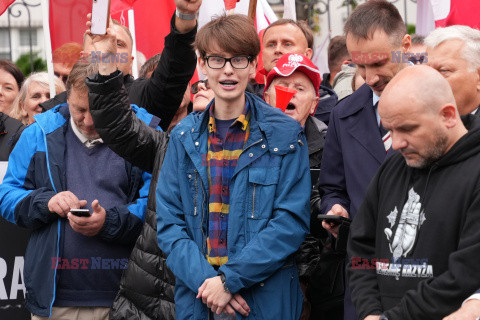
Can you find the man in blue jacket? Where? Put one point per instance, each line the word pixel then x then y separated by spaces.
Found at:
pixel 233 205
pixel 73 264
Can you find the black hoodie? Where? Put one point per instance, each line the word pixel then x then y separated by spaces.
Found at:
pixel 428 218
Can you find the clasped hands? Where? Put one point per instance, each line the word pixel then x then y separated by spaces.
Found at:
pixel 218 300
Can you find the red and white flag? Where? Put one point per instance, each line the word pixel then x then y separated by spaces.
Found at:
pixel 452 12
pixel 4 4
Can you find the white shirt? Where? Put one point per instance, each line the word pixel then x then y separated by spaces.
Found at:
pixel 83 139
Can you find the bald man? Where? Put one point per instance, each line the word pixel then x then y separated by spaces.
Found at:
pixel 414 246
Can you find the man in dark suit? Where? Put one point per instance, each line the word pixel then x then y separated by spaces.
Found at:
pixel 354 150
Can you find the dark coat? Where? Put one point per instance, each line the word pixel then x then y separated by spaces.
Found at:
pixel 353 152
pixel 162 94
pixel 352 155
pixel 147 286
pixel 10 129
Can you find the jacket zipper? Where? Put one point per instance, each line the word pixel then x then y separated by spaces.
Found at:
pixel 204 240
pixel 59 221
pixel 196 193
pixel 253 206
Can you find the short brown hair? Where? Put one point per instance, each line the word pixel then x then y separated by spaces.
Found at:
pixel 234 34
pixel 149 65
pixel 302 25
pixel 117 23
pixel 376 15
pixel 67 54
pixel 12 68
pixel 417 39
pixel 80 71
pixel 337 53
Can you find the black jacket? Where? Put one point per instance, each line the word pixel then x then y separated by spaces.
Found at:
pixel 162 94
pixel 147 286
pixel 10 130
pixel 430 219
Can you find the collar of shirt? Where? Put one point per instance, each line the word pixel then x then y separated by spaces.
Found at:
pixel 241 120
pixel 83 139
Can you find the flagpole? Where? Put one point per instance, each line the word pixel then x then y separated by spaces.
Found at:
pixel 131 26
pixel 252 9
pixel 48 46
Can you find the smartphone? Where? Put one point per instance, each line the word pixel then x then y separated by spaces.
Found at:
pixel 100 16
pixel 81 212
pixel 329 218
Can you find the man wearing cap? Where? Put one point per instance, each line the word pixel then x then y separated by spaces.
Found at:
pixel 288 36
pixel 295 71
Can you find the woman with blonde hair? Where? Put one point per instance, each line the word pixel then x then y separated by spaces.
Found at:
pixel 34 91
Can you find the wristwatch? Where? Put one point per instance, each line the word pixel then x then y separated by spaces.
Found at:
pixel 383 317
pixel 222 277
pixel 185 16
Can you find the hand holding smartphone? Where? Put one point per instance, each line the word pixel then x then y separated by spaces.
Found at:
pixel 81 212
pixel 336 220
pixel 100 16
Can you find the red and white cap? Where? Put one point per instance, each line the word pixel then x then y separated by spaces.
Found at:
pixel 291 62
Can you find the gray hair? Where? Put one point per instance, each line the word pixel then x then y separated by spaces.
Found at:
pixel 40 78
pixel 469 36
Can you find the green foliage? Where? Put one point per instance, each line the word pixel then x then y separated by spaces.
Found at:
pixel 410 28
pixel 353 3
pixel 23 63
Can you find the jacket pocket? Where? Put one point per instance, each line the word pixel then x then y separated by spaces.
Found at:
pixel 262 187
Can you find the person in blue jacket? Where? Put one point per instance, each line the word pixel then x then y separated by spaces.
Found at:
pixel 233 205
pixel 73 264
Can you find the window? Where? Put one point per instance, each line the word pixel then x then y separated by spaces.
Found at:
pixel 5 55
pixel 25 37
pixel 4 38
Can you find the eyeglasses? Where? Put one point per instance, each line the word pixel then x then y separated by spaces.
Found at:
pixel 194 89
pixel 238 62
pixel 416 60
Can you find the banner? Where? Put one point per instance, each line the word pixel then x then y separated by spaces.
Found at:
pixel 13 242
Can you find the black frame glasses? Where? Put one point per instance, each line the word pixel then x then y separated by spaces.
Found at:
pixel 236 64
pixel 194 89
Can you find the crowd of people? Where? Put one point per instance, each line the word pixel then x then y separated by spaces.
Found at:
pixel 347 195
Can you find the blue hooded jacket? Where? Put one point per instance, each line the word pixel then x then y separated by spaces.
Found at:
pixel 36 172
pixel 268 218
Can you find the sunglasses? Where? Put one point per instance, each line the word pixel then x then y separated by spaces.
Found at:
pixel 195 89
